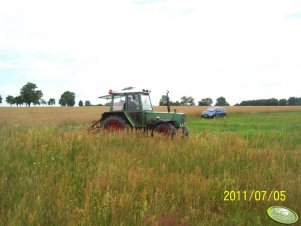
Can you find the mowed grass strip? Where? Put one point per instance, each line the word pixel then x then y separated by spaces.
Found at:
pixel 197 110
pixel 53 176
pixel 256 123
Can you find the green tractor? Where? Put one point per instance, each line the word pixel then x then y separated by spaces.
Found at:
pixel 132 108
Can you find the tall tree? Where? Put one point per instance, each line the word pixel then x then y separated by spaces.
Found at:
pixel 163 100
pixel 80 103
pixel 221 101
pixel 51 101
pixel 19 100
pixel 67 99
pixel 10 100
pixel 30 95
pixel 205 102
pixel 87 103
pixel 43 102
pixel 188 101
pixel 38 97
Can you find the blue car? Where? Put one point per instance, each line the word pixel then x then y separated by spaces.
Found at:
pixel 214 112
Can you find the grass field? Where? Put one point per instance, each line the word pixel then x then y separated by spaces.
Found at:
pixel 53 172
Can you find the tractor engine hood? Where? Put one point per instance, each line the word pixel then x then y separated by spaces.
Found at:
pixel 178 119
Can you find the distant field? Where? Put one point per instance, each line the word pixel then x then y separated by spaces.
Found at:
pixel 87 114
pixel 53 172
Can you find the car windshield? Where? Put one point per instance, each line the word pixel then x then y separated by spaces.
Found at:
pixel 211 109
pixel 146 103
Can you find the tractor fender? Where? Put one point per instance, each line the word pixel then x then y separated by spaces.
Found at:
pixel 117 113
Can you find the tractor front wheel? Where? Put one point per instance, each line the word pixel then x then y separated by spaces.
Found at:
pixel 185 132
pixel 114 123
pixel 166 129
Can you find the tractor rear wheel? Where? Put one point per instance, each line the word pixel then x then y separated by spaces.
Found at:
pixel 114 123
pixel 166 129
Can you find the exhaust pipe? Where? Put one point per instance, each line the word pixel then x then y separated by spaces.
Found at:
pixel 167 101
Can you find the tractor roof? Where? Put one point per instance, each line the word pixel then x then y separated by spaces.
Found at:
pixel 125 91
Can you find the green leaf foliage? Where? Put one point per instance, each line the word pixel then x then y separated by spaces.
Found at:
pixel 30 95
pixel 67 99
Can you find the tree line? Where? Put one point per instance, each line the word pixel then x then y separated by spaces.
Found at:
pixel 221 101
pixel 29 95
pixel 189 101
pixel 292 101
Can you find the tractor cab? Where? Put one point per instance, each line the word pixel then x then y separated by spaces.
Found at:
pixel 132 108
pixel 133 101
pixel 130 103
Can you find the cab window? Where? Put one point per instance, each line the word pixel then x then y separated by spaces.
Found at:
pixel 118 103
pixel 146 103
pixel 133 102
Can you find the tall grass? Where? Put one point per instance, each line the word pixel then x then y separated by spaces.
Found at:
pixel 54 176
pixel 52 172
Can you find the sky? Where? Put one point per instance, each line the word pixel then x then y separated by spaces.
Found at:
pixel 240 50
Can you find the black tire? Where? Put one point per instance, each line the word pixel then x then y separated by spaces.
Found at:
pixel 114 123
pixel 166 129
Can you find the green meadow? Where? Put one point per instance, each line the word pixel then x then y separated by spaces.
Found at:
pixel 53 172
pixel 275 124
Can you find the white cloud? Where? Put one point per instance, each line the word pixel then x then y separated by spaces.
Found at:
pixel 198 48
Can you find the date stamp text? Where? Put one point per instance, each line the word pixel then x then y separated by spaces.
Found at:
pixel 255 195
